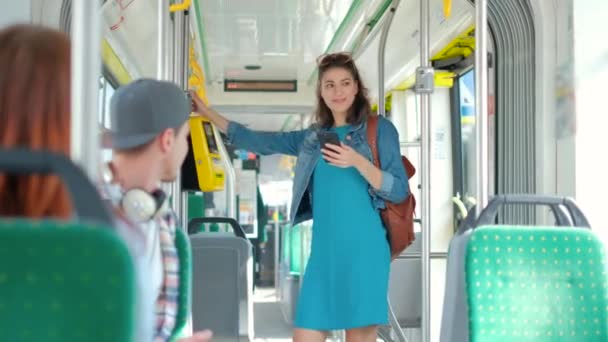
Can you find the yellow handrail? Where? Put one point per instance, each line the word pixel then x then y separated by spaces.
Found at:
pixel 196 81
pixel 180 7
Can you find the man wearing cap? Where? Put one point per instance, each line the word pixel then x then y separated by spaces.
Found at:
pixel 148 136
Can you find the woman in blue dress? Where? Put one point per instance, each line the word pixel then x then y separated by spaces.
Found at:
pixel 345 285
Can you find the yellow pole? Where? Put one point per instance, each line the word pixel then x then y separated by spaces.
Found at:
pixel 447 8
pixel 180 7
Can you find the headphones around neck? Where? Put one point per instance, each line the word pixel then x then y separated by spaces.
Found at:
pixel 140 205
pixel 137 204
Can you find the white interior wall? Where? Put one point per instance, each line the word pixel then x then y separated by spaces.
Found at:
pixel 563 98
pixel 591 73
pixel 572 70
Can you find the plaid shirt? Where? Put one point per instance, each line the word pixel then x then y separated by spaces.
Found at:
pixel 166 303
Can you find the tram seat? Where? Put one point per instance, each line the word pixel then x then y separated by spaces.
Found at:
pixel 454 321
pixel 222 281
pixel 64 282
pixel 461 322
pixel 544 284
pixel 184 253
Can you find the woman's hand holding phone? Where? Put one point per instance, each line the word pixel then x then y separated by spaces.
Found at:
pixel 342 155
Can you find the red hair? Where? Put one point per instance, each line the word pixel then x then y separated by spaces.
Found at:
pixel 34 113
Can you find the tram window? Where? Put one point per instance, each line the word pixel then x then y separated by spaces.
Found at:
pixel 466 108
pixel 106 90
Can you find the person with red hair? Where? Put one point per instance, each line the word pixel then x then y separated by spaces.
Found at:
pixel 35 114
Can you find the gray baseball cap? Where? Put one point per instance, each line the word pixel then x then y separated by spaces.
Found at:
pixel 143 109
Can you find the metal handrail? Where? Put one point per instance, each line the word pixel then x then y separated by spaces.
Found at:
pixel 425 113
pixel 481 102
pixel 381 111
pixel 432 255
pixel 85 73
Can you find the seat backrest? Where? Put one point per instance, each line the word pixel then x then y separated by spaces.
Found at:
pixel 454 316
pixel 536 283
pixel 184 253
pixel 85 199
pixel 222 280
pixel 64 282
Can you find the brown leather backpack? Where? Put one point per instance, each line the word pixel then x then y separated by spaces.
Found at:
pixel 398 218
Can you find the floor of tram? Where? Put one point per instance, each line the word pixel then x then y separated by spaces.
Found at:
pixel 269 323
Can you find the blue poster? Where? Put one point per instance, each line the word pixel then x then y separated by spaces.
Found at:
pixel 466 84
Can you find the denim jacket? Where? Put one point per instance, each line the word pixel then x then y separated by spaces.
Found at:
pixel 305 145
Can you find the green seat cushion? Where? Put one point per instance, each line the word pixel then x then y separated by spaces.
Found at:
pixel 64 282
pixel 536 284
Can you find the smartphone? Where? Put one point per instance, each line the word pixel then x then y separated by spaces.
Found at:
pixel 328 137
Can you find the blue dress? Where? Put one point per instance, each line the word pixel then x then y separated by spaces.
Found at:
pixel 346 281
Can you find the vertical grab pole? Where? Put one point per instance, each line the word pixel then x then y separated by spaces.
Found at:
pixel 230 177
pixel 185 75
pixel 181 39
pixel 425 82
pixel 381 54
pixel 162 54
pixel 394 323
pixel 481 102
pixel 162 41
pixel 86 70
pixel 178 78
pixel 164 68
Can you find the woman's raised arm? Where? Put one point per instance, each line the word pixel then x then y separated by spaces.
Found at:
pixel 259 142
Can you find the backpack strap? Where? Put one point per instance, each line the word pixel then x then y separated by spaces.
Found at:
pixel 372 138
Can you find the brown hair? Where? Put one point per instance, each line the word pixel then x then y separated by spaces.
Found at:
pixel 361 108
pixel 34 113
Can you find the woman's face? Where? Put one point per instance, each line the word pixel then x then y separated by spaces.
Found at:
pixel 338 89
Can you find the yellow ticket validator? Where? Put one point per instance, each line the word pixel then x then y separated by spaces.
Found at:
pixel 204 158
